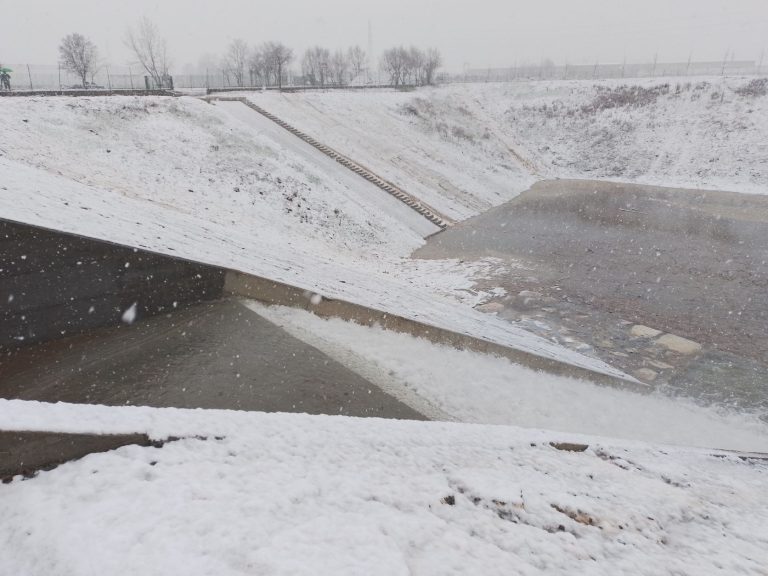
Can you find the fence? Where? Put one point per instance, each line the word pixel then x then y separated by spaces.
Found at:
pixel 54 77
pixel 549 71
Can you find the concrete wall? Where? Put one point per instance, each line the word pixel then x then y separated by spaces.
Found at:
pixel 54 284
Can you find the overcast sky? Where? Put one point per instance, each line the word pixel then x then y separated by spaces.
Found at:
pixel 480 33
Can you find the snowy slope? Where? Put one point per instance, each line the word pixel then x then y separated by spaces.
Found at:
pixel 476 145
pixel 282 224
pixel 186 155
pixel 686 132
pixel 431 147
pixel 250 493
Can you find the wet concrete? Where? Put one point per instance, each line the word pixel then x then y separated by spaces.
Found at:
pixel 600 257
pixel 212 355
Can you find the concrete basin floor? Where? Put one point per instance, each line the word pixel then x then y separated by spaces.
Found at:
pixel 211 355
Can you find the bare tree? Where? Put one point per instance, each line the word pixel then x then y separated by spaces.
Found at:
pixel 278 57
pixel 414 69
pixel 235 60
pixel 79 56
pixel 150 50
pixel 339 68
pixel 315 65
pixel 257 67
pixel 394 63
pixel 432 61
pixel 411 65
pixel 356 57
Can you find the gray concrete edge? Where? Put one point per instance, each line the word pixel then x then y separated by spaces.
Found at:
pixel 274 293
pixel 24 453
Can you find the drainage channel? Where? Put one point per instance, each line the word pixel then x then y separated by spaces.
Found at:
pixel 426 211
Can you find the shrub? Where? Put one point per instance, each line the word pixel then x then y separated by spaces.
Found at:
pixel 624 96
pixel 754 88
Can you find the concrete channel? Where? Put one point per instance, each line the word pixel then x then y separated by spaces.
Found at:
pixel 666 284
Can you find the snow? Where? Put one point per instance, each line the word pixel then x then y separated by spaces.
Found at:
pixel 479 145
pixel 282 224
pixel 129 316
pixel 251 493
pixel 451 161
pixel 373 196
pixel 465 386
pixel 184 154
pixel 295 494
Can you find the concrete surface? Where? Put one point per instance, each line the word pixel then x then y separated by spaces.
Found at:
pixel 212 355
pixel 26 452
pixel 599 258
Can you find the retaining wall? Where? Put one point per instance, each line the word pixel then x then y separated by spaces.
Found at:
pixel 54 284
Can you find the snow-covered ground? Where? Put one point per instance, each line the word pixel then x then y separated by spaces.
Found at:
pixel 184 154
pixel 249 493
pixel 214 190
pixel 465 147
pixel 426 142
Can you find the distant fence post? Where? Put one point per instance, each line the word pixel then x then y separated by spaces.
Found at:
pixel 130 74
pixel 146 82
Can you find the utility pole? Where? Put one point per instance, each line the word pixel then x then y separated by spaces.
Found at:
pixel 30 78
pixel 370 52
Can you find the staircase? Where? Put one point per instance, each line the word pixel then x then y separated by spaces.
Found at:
pixel 426 211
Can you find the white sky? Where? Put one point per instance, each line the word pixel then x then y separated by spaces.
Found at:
pixel 480 33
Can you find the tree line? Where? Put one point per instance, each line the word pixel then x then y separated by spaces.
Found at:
pixel 266 64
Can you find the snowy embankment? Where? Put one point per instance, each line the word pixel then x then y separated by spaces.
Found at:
pixel 467 147
pixel 452 162
pixel 297 494
pixel 181 177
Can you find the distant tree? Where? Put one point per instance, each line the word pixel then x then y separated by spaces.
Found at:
pixel 278 56
pixel 414 67
pixel 411 65
pixel 432 62
pixel 258 67
pixel 150 50
pixel 79 56
pixel 315 65
pixel 394 62
pixel 339 68
pixel 356 57
pixel 235 61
